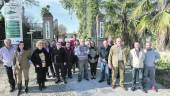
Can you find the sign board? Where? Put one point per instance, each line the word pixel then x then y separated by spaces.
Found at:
pixel 13 21
pixel 101 31
pixel 47 30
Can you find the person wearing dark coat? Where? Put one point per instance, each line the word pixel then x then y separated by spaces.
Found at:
pixel 49 49
pixel 40 60
pixel 104 53
pixel 69 59
pixel 58 57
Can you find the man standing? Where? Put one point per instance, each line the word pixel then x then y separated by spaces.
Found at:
pixel 59 60
pixel 73 45
pixel 104 53
pixel 116 61
pixel 82 53
pixel 151 58
pixel 69 59
pixel 136 59
pixel 6 54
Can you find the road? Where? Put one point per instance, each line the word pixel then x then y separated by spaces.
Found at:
pixel 74 88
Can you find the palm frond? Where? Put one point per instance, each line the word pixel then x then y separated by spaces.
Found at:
pixel 143 24
pixel 161 21
pixel 144 7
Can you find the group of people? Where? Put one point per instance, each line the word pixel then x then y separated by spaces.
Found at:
pixel 62 57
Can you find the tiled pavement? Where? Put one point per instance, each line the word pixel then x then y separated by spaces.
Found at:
pixel 74 88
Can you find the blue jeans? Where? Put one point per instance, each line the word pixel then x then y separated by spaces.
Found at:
pixel 105 71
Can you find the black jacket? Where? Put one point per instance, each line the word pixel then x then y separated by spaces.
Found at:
pixel 35 58
pixel 59 55
pixel 104 52
pixel 69 55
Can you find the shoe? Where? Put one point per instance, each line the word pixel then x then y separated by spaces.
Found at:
pixel 108 82
pixel 100 81
pixel 144 90
pixel 154 89
pixel 26 86
pixel 133 88
pixel 70 77
pixel 43 86
pixel 12 90
pixel 19 89
pixel 79 80
pixel 113 86
pixel 40 87
pixel 65 82
pixel 94 77
pixel 87 79
pixel 58 81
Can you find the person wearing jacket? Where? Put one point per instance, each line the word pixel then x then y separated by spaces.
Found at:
pixel 48 48
pixel 21 61
pixel 82 52
pixel 151 59
pixel 59 59
pixel 116 61
pixel 136 61
pixel 40 60
pixel 104 53
pixel 75 58
pixel 93 59
pixel 69 59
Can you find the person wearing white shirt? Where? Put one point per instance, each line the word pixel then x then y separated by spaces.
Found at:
pixel 6 54
pixel 136 60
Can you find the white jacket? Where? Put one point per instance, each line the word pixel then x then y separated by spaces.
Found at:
pixel 135 61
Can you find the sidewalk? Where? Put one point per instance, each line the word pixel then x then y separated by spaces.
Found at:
pixel 74 88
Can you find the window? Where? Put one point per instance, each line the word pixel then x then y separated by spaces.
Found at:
pixel 101 32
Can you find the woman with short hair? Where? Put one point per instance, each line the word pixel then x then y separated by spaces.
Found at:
pixel 39 59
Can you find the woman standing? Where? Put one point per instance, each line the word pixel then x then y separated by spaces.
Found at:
pixel 21 62
pixel 48 48
pixel 93 59
pixel 39 59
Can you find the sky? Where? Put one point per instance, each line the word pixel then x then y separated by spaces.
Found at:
pixel 58 12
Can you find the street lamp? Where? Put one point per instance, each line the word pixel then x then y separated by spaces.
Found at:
pixel 31 33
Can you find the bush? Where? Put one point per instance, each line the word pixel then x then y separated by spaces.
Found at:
pixel 163 73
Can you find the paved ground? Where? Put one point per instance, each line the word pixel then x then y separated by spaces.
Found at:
pixel 74 88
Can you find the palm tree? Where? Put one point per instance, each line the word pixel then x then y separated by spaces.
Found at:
pixel 155 18
pixel 45 11
pixel 118 22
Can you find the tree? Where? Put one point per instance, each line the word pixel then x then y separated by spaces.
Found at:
pixel 86 11
pixel 117 17
pixel 62 30
pixel 155 18
pixel 45 11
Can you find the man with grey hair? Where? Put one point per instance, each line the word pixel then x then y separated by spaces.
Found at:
pixel 151 59
pixel 82 53
pixel 6 54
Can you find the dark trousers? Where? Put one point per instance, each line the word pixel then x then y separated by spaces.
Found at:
pixel 41 74
pixel 75 63
pixel 10 76
pixel 93 67
pixel 51 69
pixel 60 68
pixel 69 67
pixel 137 74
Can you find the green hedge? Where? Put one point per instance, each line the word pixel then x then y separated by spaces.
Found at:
pixel 163 73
